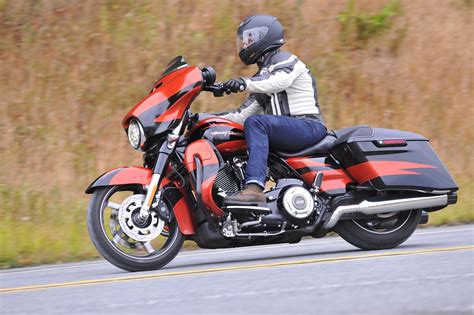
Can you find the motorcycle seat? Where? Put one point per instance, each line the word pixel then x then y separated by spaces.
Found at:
pixel 360 132
pixel 332 139
pixel 320 148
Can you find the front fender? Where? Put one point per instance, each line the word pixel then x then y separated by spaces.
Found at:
pixel 140 175
pixel 125 175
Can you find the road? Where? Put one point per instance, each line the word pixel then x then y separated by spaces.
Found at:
pixel 432 273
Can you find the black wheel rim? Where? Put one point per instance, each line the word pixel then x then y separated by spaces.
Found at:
pixel 122 243
pixel 385 223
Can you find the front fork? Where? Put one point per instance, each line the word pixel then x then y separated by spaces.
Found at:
pixel 166 150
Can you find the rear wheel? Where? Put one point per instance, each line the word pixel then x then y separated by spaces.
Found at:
pixel 381 232
pixel 124 240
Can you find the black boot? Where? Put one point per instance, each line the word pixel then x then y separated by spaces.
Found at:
pixel 252 194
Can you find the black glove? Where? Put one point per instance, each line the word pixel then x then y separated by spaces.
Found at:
pixel 193 118
pixel 235 85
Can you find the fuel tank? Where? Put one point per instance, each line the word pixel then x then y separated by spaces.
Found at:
pixel 227 136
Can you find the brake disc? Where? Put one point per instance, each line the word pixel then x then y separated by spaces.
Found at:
pixel 132 226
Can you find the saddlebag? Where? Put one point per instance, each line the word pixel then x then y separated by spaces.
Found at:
pixel 387 159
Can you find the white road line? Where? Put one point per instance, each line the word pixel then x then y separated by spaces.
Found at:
pixel 225 251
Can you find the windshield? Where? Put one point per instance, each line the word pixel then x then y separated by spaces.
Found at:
pixel 175 64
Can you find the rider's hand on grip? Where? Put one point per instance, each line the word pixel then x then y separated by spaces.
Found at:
pixel 235 85
pixel 193 118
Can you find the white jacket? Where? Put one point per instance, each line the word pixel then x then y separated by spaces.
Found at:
pixel 283 86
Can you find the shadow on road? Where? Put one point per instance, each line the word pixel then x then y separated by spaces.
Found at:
pixel 268 257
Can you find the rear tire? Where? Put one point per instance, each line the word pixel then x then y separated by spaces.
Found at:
pixel 354 232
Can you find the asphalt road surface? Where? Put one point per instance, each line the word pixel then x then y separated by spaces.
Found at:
pixel 432 273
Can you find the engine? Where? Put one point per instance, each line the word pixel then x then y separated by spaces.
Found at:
pixel 290 204
pixel 230 179
pixel 296 204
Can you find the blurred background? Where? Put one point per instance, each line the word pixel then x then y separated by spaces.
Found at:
pixel 70 71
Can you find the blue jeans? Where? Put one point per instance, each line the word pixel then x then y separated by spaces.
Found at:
pixel 280 132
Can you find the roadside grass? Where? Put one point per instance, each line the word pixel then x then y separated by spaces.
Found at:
pixel 461 212
pixel 35 229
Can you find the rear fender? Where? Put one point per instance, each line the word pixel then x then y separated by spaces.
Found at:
pixel 142 176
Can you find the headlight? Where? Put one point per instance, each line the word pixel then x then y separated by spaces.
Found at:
pixel 136 135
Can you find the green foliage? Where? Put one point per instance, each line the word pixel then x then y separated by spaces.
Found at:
pixel 358 27
pixel 459 213
pixel 467 3
pixel 37 228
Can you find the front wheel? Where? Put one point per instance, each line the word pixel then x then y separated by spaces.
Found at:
pixel 381 232
pixel 124 240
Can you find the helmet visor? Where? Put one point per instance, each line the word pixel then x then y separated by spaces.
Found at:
pixel 250 37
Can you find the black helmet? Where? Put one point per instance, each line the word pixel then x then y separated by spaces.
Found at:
pixel 257 35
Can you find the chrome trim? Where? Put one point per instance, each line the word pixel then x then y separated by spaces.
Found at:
pixel 265 233
pixel 249 208
pixel 173 137
pixel 142 135
pixel 250 223
pixel 371 207
pixel 150 195
pixel 439 192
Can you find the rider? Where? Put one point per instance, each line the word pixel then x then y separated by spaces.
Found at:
pixel 282 110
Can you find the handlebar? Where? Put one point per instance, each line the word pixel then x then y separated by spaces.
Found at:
pixel 217 88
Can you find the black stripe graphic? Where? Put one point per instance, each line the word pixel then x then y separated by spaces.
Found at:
pixel 316 103
pixel 283 102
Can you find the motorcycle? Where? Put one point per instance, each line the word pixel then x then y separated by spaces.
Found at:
pixel 372 186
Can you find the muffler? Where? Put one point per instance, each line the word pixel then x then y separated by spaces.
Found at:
pixel 377 207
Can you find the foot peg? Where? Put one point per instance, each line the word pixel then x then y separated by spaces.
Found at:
pixel 256 209
pixel 318 181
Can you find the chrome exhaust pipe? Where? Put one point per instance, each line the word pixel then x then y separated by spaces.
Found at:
pixel 377 207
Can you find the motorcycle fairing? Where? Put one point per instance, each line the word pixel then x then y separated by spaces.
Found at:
pixel 128 175
pixel 203 164
pixel 181 208
pixel 335 179
pixel 164 107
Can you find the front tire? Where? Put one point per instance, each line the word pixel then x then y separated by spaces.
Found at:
pixel 119 249
pixel 364 234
